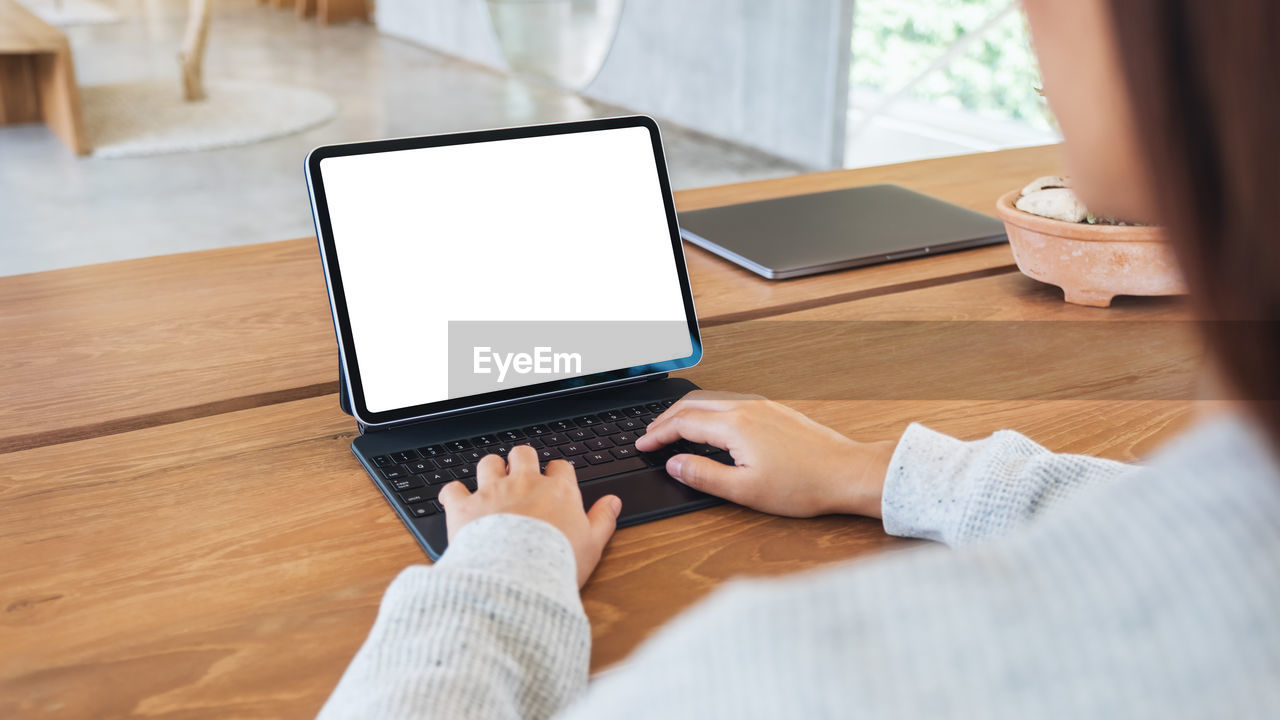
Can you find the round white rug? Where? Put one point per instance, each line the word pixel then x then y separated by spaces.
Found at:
pixel 151 118
pixel 65 13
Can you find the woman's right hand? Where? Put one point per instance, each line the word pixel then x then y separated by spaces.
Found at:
pixel 784 463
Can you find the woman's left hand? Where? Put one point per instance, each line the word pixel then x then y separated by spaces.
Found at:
pixel 517 486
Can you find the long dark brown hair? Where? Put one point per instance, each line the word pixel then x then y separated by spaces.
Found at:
pixel 1204 78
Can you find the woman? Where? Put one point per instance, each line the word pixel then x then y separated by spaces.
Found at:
pixel 1100 589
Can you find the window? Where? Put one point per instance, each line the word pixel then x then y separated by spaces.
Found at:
pixel 941 77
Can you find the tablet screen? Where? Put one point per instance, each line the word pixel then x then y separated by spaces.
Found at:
pixel 475 268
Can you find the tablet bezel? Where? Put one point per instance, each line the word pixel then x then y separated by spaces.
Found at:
pixel 337 295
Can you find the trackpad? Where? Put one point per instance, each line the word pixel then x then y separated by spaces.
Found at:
pixel 646 494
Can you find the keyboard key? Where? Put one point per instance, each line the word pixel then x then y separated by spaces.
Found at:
pixel 617 467
pixel 536 430
pixel 655 408
pixel 599 444
pixel 561 425
pixel 431 451
pixel 587 420
pixel 485 440
pixel 424 509
pixel 657 458
pixel 636 411
pixel 580 434
pixel 699 448
pixel 446 461
pixel 630 424
pixel 573 449
pixel 418 496
pixel 511 435
pixel 457 445
pixel 420 466
pixel 383 461
pixel 624 438
pixel 605 429
pixel 612 415
pixel 625 451
pixel 556 439
pixel 406 483
pixel 576 461
pixel 464 472
pixel 535 443
pixel 668 403
pixel 437 477
pixel 404 456
pixel 394 472
pixel 596 458
pixel 550 453
pixel 471 456
pixel 436 504
pixel 500 449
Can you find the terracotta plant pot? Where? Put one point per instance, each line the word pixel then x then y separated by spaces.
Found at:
pixel 1091 263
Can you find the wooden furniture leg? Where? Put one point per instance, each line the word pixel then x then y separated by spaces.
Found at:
pixel 38 76
pixel 191 58
pixel 330 12
pixel 55 75
pixel 19 93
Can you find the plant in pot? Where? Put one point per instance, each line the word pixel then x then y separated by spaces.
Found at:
pixel 1056 240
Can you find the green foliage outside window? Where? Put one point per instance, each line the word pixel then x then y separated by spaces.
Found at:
pixel 997 75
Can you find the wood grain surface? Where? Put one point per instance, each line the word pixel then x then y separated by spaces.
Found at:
pixel 231 564
pixel 145 342
pixel 1005 337
pixel 184 532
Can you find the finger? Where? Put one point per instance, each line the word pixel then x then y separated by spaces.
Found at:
pixel 713 427
pixel 522 458
pixel 603 519
pixel 454 492
pixel 561 468
pixel 705 474
pixel 453 497
pixel 490 468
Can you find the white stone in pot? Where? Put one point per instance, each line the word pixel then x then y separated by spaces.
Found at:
pixel 1041 183
pixel 1056 203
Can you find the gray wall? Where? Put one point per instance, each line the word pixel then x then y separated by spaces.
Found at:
pixel 457 27
pixel 771 74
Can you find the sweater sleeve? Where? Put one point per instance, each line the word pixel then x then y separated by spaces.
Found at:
pixel 494 630
pixel 943 489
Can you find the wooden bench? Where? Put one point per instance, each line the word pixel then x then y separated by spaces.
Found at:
pixel 38 76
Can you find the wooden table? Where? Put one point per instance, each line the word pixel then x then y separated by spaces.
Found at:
pixel 38 76
pixel 184 531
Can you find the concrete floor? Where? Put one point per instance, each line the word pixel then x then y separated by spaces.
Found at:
pixel 57 210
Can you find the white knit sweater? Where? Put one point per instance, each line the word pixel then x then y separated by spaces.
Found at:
pixel 1081 588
